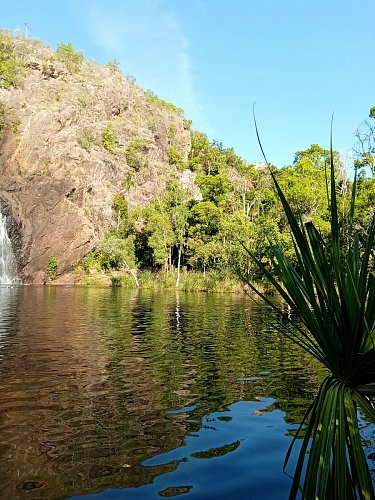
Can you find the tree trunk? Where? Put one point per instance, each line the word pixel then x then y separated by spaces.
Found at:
pixel 178 266
pixel 132 273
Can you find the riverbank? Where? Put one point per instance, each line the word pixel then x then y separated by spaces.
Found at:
pixel 190 281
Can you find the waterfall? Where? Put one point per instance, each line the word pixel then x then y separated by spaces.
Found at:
pixel 8 262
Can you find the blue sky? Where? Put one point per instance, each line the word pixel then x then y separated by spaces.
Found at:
pixel 298 59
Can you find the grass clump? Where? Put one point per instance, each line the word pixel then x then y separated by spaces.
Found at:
pixel 332 296
pixel 87 138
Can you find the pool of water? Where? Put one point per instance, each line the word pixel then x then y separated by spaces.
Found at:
pixel 118 394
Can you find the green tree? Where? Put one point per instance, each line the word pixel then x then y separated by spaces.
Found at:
pixel 72 58
pixel 204 221
pixel 120 206
pixel 160 234
pixel 206 157
pixel 176 202
pixel 213 187
pixel 175 158
pixel 365 203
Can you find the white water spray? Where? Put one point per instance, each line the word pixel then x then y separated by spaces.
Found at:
pixel 8 262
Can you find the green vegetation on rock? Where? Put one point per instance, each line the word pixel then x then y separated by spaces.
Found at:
pixel 3 122
pixel 10 67
pixel 109 139
pixel 87 138
pixel 52 267
pixel 136 153
pixel 154 99
pixel 181 203
pixel 180 235
pixel 71 57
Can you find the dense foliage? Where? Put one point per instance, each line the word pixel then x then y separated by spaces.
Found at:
pixel 178 232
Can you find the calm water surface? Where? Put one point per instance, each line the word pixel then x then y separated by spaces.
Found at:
pixel 117 394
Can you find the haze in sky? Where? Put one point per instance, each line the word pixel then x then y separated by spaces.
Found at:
pixel 299 60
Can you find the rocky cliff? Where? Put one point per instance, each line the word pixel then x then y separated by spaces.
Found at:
pixel 73 134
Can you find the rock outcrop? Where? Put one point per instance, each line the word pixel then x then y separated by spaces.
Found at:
pixel 71 139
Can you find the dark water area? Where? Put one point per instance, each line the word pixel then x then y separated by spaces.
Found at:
pixel 114 394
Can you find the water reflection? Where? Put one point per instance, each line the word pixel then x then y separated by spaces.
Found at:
pixel 108 388
pixel 9 314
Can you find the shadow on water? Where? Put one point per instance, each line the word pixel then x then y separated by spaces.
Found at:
pixel 135 394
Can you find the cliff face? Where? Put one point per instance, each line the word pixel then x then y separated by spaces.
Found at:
pixel 73 136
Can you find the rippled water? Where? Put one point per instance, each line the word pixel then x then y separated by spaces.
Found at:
pixel 138 395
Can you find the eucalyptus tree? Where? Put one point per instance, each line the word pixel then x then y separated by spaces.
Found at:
pixel 365 147
pixel 176 201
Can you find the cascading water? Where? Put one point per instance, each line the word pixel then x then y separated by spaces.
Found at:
pixel 8 262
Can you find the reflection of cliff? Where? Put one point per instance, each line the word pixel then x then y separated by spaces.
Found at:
pixel 9 315
pixel 90 378
pixel 69 422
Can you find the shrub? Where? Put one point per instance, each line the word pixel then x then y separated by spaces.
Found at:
pixel 125 280
pixel 136 153
pixel 90 262
pixel 129 181
pixel 16 126
pixel 160 103
pixel 86 138
pixel 53 263
pixel 116 253
pixel 120 205
pixel 131 79
pixel 85 101
pixel 72 58
pixel 175 158
pixel 171 134
pixel 109 139
pixel 113 65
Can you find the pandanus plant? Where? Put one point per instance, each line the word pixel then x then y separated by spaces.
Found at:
pixel 331 292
